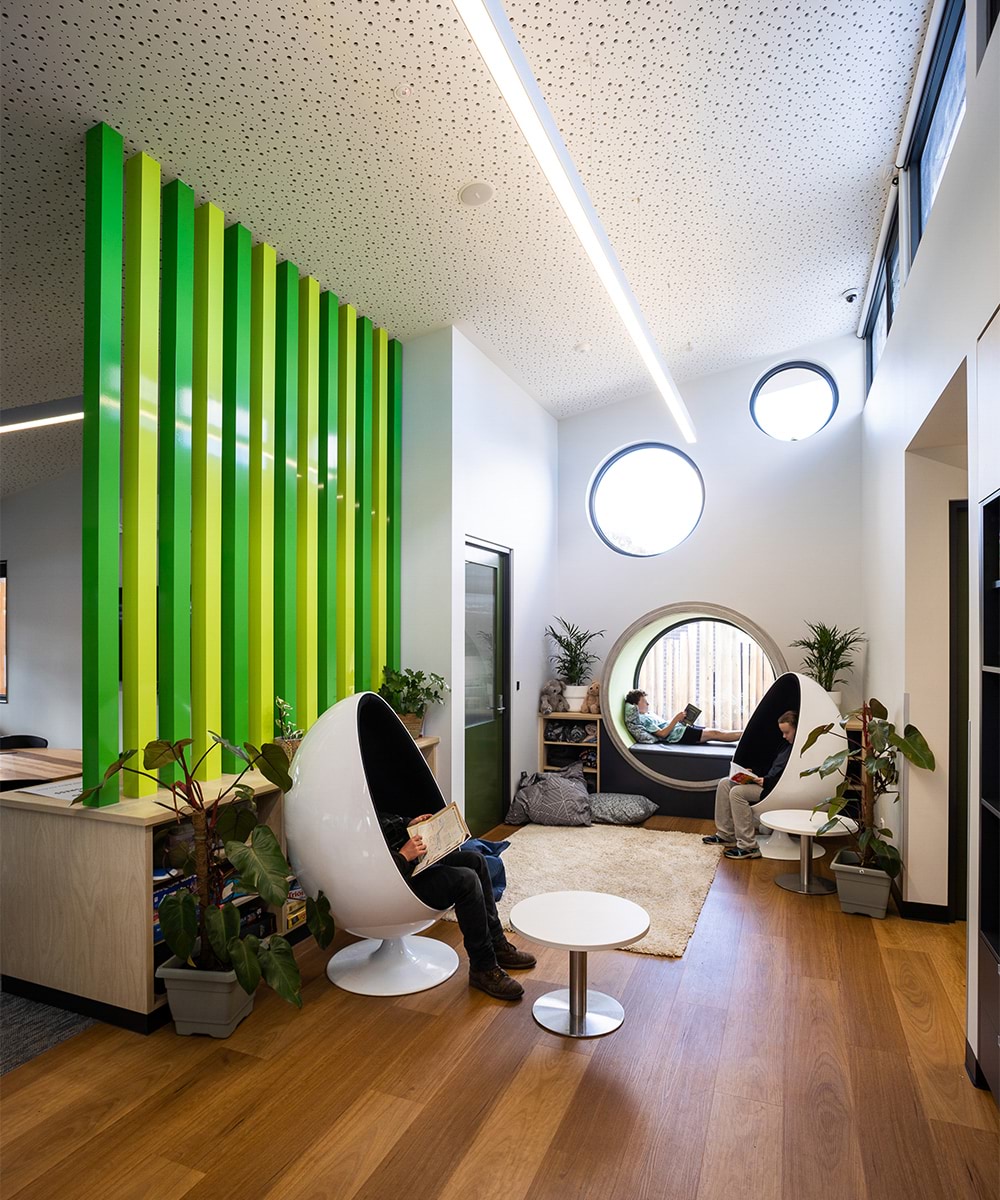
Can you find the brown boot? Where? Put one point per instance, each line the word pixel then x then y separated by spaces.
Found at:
pixel 510 958
pixel 496 982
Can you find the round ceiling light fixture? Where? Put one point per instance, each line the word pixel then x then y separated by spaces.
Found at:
pixel 476 193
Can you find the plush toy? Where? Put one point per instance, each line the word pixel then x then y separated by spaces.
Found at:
pixel 592 704
pixel 553 698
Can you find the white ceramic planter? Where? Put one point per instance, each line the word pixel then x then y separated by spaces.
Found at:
pixel 575 696
pixel 860 889
pixel 837 698
pixel 209 1002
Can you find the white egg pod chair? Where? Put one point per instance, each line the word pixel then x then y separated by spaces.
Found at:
pixel 358 757
pixel 762 740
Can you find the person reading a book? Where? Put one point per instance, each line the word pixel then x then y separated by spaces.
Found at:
pixel 734 823
pixel 461 879
pixel 649 727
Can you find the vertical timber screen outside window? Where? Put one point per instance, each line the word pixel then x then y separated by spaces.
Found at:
pixel 238 420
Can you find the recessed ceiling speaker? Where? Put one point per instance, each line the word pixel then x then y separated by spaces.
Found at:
pixel 476 193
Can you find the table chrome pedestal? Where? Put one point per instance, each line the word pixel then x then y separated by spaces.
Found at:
pixel 576 1011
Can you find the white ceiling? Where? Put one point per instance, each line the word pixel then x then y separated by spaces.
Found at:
pixel 736 152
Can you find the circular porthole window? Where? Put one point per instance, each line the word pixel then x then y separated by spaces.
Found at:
pixel 646 499
pixel 793 401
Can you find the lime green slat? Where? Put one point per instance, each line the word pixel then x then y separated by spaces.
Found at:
pixel 380 503
pixel 102 309
pixel 306 583
pixel 261 587
pixel 395 505
pixel 235 489
pixel 346 498
pixel 286 416
pixel 363 546
pixel 326 636
pixel 174 593
pixel 140 400
pixel 206 488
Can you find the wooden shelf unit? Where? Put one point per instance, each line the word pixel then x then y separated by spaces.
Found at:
pixel 547 761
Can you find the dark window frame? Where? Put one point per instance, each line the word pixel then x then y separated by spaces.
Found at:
pixel 943 47
pixel 794 364
pixel 882 291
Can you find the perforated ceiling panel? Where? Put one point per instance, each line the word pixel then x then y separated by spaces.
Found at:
pixel 736 152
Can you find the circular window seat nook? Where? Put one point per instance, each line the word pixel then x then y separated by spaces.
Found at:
pixel 707 762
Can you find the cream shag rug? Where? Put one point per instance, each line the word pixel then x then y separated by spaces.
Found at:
pixel 668 873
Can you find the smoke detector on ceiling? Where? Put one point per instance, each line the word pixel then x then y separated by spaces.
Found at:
pixel 403 92
pixel 476 193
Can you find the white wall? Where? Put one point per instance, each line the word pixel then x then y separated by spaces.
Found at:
pixel 779 538
pixel 480 461
pixel 40 537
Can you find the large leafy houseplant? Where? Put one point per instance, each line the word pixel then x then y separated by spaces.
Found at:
pixel 828 652
pixel 876 758
pixel 230 845
pixel 409 691
pixel 572 659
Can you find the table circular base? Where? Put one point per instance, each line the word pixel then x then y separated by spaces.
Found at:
pixel 780 845
pixel 815 887
pixel 604 1014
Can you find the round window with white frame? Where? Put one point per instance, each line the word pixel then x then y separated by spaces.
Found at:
pixel 646 499
pixel 793 401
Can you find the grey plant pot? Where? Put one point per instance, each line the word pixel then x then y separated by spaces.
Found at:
pixel 209 1002
pixel 860 889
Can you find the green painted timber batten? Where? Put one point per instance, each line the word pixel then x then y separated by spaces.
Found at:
pixel 363 511
pixel 346 498
pixel 140 402
pixel 395 506
pixel 329 343
pixel 206 488
pixel 102 364
pixel 306 583
pixel 380 503
pixel 261 586
pixel 286 415
pixel 174 591
pixel 235 490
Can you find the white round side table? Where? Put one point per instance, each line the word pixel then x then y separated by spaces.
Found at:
pixel 579 922
pixel 807 825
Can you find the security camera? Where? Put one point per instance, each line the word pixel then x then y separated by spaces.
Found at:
pixel 850 295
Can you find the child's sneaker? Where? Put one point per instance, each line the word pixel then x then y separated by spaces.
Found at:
pixel 739 852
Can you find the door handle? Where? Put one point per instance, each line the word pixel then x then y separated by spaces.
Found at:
pixel 500 705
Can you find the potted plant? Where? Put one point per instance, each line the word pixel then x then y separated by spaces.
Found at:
pixel 410 693
pixel 289 735
pixel 215 970
pixel 573 660
pixel 828 652
pixel 865 872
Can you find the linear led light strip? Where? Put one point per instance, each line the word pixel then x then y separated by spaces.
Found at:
pixel 13 428
pixel 489 28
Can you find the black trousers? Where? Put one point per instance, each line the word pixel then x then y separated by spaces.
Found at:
pixel 463 879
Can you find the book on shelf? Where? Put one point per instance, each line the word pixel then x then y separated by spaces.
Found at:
pixel 441 832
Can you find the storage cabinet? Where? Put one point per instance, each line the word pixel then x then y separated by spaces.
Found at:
pixel 564 738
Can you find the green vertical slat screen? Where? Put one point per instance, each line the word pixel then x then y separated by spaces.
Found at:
pixel 380 503
pixel 174 590
pixel 286 410
pixel 308 505
pixel 395 506
pixel 140 390
pixel 326 568
pixel 250 438
pixel 363 536
pixel 102 349
pixel 206 488
pixel 260 692
pixel 235 489
pixel 346 498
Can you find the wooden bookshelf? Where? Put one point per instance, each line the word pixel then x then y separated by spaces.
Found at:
pixel 556 753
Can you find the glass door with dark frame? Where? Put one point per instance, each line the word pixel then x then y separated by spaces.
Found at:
pixel 486 673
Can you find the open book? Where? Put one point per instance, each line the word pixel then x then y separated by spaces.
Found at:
pixel 691 714
pixel 443 832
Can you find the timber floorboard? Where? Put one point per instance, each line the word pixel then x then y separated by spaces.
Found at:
pixel 793 1053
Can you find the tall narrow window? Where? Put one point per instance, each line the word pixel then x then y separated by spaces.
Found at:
pixel 884 303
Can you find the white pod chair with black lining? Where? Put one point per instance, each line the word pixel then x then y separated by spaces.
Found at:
pixel 762 740
pixel 355 759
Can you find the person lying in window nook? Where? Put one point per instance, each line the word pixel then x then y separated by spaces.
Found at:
pixel 648 727
pixel 734 822
pixel 461 879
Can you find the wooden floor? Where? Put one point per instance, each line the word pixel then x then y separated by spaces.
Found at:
pixel 792 1053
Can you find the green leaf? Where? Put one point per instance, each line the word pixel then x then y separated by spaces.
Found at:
pixel 261 865
pixel 834 762
pixel 227 745
pixel 320 920
pixel 86 794
pixel 223 925
pixel 281 970
pixel 180 858
pixel 913 747
pixel 159 754
pixel 119 762
pixel 878 709
pixel 244 958
pixel 273 765
pixel 179 922
pixel 814 736
pixel 235 824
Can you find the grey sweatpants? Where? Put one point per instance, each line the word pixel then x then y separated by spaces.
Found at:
pixel 733 815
